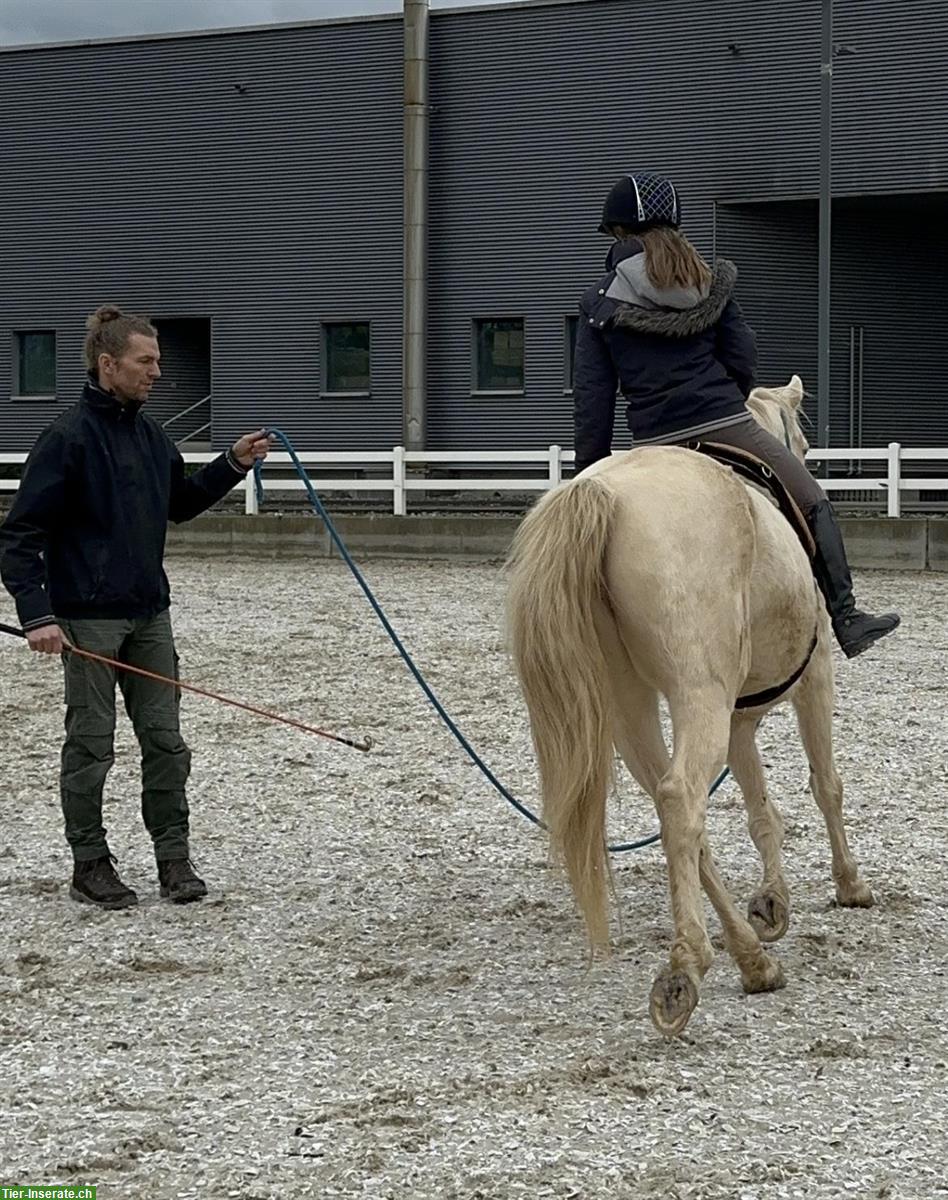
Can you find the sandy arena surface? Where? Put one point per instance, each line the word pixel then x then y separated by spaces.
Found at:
pixel 386 993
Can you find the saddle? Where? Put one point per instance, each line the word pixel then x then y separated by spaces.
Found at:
pixel 756 471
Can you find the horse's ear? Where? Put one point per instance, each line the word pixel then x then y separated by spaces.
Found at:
pixel 795 388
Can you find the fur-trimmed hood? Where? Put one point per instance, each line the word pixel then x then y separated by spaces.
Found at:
pixel 676 312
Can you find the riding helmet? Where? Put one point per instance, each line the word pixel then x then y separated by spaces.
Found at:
pixel 641 202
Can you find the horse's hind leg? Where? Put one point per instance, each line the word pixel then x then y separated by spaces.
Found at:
pixel 700 724
pixel 813 701
pixel 638 730
pixel 759 971
pixel 638 738
pixel 769 908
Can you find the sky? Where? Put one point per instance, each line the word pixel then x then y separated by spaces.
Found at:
pixel 66 20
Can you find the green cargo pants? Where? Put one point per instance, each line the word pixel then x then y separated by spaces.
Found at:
pixel 152 707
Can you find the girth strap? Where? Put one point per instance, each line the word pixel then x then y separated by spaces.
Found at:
pixel 769 695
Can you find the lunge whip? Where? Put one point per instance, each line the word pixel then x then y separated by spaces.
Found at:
pixel 364 745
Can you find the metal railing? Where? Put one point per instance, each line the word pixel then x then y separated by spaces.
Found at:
pixel 395 470
pixel 192 433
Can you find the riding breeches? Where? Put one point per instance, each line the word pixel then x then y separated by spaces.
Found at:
pixel 752 438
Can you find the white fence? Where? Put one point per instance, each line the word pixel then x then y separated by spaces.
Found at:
pixel 392 471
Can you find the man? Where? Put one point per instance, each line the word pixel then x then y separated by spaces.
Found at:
pixel 81 552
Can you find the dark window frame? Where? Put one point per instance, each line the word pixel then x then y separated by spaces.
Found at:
pixel 476 323
pixel 325 383
pixel 17 390
pixel 570 333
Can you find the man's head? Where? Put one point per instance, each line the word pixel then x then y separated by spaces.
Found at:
pixel 122 353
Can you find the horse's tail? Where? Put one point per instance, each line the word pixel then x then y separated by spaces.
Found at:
pixel 555 594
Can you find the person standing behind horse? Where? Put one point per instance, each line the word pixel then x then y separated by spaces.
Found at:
pixel 81 552
pixel 663 328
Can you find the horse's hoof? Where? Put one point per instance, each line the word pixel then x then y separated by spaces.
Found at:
pixel 854 895
pixel 767 976
pixel 769 916
pixel 673 999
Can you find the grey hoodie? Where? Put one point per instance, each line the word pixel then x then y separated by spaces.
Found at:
pixel 632 285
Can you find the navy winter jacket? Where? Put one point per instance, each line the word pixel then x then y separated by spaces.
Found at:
pixel 684 361
pixel 86 534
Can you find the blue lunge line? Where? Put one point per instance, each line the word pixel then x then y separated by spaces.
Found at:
pixel 406 657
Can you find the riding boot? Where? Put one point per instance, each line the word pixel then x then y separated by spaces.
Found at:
pixel 855 630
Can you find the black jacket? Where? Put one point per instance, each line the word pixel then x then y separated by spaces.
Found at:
pixel 86 534
pixel 684 361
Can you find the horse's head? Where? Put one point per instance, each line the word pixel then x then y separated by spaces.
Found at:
pixel 778 410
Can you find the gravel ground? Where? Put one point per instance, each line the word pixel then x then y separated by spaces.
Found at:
pixel 387 993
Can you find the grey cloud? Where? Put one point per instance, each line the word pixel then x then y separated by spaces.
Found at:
pixel 66 20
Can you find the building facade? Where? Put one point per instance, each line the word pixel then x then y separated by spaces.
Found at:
pixel 244 189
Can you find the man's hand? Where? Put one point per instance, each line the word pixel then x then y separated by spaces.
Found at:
pixel 251 448
pixel 48 639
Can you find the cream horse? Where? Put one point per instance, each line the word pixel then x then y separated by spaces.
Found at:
pixel 659 573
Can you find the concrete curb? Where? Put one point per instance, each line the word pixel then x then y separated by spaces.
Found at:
pixel 908 543
pixel 889 543
pixel 938 545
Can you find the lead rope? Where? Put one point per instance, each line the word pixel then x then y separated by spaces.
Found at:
pixel 442 712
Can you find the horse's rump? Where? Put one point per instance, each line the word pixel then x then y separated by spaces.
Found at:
pixel 678 565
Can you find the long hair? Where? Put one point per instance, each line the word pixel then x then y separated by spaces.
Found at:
pixel 670 259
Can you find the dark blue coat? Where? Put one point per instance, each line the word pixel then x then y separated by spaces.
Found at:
pixel 682 370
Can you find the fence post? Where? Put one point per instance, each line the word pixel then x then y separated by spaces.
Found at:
pixel 556 465
pixel 895 479
pixel 250 495
pixel 398 477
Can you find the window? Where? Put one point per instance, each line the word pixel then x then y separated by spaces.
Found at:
pixel 498 351
pixel 35 363
pixel 346 357
pixel 569 358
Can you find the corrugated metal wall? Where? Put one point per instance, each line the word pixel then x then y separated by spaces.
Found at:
pixel 277 203
pixel 185 376
pixel 775 247
pixel 537 111
pixel 888 292
pixel 890 96
pixel 139 173
pixel 890 282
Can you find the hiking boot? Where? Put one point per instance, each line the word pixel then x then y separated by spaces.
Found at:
pixel 178 882
pixel 94 881
pixel 855 630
